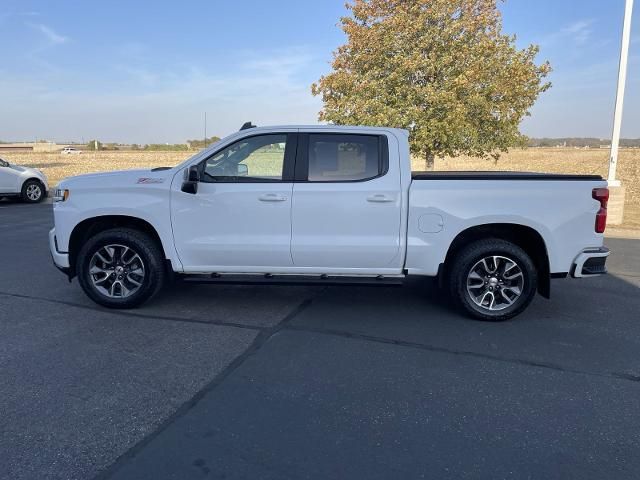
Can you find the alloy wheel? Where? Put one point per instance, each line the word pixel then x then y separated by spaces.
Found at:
pixel 117 271
pixel 495 282
pixel 34 192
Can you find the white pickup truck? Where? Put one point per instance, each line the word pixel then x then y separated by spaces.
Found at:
pixel 329 205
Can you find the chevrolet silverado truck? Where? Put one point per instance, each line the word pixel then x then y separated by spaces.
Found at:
pixel 328 205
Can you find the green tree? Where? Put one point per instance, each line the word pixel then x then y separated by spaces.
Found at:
pixel 167 147
pixel 441 69
pixel 94 145
pixel 201 143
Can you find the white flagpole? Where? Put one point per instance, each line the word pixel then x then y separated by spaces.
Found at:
pixel 622 76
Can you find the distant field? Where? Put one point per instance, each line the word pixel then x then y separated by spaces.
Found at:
pixel 563 160
pixel 557 160
pixel 57 166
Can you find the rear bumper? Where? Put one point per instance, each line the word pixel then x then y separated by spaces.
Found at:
pixel 590 262
pixel 60 259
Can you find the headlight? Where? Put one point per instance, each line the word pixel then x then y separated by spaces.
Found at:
pixel 60 195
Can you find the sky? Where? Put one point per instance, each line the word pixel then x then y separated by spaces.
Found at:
pixel 145 72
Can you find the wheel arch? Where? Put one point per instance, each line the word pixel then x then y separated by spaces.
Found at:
pixel 94 225
pixel 527 238
pixel 39 180
pixel 35 179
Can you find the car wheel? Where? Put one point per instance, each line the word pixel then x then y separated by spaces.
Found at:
pixel 120 268
pixel 32 191
pixel 493 280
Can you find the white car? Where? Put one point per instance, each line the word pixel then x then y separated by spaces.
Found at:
pixel 328 205
pixel 70 151
pixel 27 183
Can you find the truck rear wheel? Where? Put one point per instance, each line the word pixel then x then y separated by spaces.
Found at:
pixel 120 268
pixel 493 280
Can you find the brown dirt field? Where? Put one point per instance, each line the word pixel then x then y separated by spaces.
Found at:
pixel 555 160
pixel 57 166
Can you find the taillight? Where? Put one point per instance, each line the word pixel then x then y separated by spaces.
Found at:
pixel 602 195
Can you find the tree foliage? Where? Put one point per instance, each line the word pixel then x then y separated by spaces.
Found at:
pixel 442 69
pixel 201 143
pixel 167 147
pixel 94 145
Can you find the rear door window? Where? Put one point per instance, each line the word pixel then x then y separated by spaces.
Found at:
pixel 343 157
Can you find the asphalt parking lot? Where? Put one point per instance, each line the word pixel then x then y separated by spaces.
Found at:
pixel 312 382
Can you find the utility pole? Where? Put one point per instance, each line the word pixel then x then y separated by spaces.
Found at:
pixel 205 129
pixel 616 190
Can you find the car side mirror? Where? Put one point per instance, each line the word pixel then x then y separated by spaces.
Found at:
pixel 191 180
pixel 243 170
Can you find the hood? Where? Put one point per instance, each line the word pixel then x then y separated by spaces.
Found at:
pixel 21 169
pixel 119 178
pixel 27 171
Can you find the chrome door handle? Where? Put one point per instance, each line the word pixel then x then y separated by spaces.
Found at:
pixel 272 197
pixel 379 198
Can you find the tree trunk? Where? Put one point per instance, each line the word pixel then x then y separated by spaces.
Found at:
pixel 429 161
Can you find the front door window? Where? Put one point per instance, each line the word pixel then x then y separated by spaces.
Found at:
pixel 253 159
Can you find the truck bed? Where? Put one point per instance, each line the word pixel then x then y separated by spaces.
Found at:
pixel 501 175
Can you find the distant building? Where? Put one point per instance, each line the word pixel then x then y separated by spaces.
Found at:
pixel 41 147
pixel 16 147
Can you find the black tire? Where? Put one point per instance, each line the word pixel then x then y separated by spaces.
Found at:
pixel 29 190
pixel 468 263
pixel 149 253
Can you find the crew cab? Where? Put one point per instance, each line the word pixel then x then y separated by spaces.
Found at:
pixel 329 205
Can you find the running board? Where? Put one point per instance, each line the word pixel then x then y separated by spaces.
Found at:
pixel 275 279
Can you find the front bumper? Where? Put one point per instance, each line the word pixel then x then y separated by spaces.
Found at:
pixel 590 262
pixel 60 259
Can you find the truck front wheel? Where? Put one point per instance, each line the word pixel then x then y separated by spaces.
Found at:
pixel 120 268
pixel 492 279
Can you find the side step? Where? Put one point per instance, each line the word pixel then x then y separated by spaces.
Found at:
pixel 275 279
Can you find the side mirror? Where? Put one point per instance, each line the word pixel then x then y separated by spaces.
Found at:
pixel 191 180
pixel 243 170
